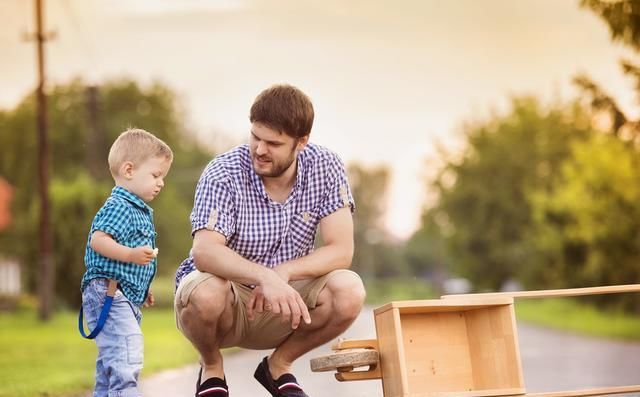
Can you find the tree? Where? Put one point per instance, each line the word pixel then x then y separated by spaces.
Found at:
pixel 589 224
pixel 374 255
pixel 484 209
pixel 426 252
pixel 623 18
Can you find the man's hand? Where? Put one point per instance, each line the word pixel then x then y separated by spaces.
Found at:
pixel 275 295
pixel 150 300
pixel 141 255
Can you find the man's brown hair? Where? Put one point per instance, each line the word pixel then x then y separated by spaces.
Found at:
pixel 284 108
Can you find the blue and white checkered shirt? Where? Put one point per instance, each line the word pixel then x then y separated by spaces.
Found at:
pixel 231 199
pixel 129 220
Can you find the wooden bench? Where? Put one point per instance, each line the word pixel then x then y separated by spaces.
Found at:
pixel 459 345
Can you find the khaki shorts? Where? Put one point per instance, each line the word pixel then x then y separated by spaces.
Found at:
pixel 266 330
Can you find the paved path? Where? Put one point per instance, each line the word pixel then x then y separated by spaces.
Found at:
pixel 552 361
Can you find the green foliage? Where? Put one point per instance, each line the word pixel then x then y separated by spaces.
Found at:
pixel 374 255
pixel 381 291
pixel 484 208
pixel 590 221
pixel 74 204
pixel 426 252
pixel 52 359
pixel 80 137
pixel 541 197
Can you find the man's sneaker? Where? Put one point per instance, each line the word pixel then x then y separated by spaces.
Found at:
pixel 212 387
pixel 284 386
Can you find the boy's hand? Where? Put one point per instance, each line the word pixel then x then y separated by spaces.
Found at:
pixel 150 300
pixel 141 255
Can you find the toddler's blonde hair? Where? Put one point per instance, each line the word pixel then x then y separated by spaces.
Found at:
pixel 136 145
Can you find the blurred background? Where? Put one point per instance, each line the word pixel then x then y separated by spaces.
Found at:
pixel 491 145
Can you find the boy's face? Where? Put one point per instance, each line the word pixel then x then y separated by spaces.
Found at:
pixel 145 180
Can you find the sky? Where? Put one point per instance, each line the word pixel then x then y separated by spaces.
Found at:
pixel 391 81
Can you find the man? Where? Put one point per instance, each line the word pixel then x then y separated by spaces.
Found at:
pixel 253 278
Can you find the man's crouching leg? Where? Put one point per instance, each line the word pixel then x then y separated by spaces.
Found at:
pixel 204 314
pixel 336 307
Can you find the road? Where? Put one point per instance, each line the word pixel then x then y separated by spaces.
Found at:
pixel 552 361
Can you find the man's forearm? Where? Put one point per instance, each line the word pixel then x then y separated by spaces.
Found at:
pixel 318 263
pixel 222 261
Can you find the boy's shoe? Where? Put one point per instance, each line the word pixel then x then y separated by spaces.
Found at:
pixel 212 387
pixel 284 386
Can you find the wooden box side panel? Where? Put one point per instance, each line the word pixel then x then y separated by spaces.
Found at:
pixel 437 352
pixel 494 351
pixel 392 361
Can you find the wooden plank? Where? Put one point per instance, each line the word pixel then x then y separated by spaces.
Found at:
pixel 439 305
pixel 392 357
pixel 550 293
pixel 493 348
pixel 372 374
pixel 589 392
pixel 348 358
pixel 473 393
pixel 437 352
pixel 355 343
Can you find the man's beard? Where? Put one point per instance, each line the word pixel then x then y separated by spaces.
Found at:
pixel 277 167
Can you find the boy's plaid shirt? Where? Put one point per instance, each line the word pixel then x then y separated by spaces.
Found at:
pixel 231 199
pixel 129 220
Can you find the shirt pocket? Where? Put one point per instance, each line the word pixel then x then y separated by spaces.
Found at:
pixel 143 235
pixel 303 231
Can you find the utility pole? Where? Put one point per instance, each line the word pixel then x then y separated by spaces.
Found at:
pixel 47 274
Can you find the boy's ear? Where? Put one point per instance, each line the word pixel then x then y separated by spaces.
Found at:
pixel 126 169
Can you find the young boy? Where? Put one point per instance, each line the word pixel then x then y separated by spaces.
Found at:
pixel 121 248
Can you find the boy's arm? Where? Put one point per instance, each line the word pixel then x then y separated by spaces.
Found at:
pixel 150 301
pixel 105 245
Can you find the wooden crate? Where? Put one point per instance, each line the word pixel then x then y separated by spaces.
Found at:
pixel 458 345
pixel 454 347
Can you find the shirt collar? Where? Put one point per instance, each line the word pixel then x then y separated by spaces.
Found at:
pixel 119 191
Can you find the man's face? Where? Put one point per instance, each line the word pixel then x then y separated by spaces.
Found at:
pixel 272 152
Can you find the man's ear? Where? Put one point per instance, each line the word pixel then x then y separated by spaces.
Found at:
pixel 126 169
pixel 302 142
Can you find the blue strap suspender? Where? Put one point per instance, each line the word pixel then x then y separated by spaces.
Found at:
pixel 111 291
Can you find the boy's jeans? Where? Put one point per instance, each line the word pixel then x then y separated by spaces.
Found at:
pixel 120 343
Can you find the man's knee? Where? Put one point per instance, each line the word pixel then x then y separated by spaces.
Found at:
pixel 208 301
pixel 347 294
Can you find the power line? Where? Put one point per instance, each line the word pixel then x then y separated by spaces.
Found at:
pixel 80 33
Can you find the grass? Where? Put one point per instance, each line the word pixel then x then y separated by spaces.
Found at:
pixel 571 315
pixel 53 360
